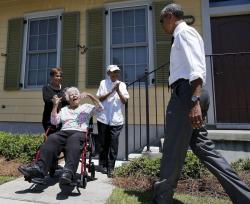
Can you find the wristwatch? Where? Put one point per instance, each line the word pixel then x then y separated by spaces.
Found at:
pixel 194 99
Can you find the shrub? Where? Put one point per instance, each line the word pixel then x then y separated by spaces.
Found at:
pixel 19 146
pixel 149 167
pixel 241 165
pixel 142 166
pixel 192 168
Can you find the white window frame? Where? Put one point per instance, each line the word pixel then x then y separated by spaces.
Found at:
pixel 129 4
pixel 28 17
pixel 207 13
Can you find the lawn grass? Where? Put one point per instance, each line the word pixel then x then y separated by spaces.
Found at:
pixel 122 196
pixel 4 179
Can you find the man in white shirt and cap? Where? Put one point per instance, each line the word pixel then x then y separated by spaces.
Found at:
pixel 185 114
pixel 113 95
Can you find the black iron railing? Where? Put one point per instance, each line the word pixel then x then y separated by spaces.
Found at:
pixel 147 95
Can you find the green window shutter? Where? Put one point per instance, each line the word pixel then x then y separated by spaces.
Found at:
pixel 95 44
pixel 162 43
pixel 14 54
pixel 70 49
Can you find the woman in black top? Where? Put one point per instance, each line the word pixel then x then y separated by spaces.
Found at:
pixel 54 87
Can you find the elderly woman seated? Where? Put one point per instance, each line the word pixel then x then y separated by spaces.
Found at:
pixel 75 119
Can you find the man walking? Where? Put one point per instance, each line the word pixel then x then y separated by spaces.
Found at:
pixel 185 117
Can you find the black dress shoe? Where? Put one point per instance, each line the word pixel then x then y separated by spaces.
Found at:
pixel 31 171
pixel 66 178
pixel 110 173
pixel 104 170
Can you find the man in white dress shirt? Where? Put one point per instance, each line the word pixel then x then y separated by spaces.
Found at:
pixel 185 114
pixel 113 94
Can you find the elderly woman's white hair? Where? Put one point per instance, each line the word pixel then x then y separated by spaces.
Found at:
pixel 71 90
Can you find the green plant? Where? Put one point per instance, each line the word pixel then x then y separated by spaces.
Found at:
pixel 141 166
pixel 122 196
pixel 241 165
pixel 150 168
pixel 19 146
pixel 192 168
pixel 4 179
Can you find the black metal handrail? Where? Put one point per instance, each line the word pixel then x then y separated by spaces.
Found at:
pixel 145 80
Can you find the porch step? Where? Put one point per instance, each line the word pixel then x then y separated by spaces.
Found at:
pixel 154 152
pixel 226 135
pixel 229 135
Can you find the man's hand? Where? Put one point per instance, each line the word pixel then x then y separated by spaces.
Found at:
pixel 84 95
pixel 195 116
pixel 56 100
pixel 116 87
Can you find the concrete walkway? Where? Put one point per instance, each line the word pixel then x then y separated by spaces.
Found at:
pixel 22 192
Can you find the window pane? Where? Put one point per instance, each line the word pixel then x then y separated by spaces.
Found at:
pixel 41 79
pixel 129 18
pixel 117 19
pixel 42 43
pixel 117 56
pixel 140 34
pixel 33 43
pixel 121 72
pixel 129 56
pixel 42 61
pixel 52 26
pixel 129 35
pixel 43 26
pixel 32 61
pixel 141 55
pixel 129 73
pixel 52 41
pixel 140 18
pixel 34 27
pixel 117 36
pixel 52 60
pixel 32 78
pixel 140 71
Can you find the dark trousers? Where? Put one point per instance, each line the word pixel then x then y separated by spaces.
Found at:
pixel 71 141
pixel 109 142
pixel 179 135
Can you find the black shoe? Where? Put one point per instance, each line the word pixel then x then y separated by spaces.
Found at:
pixel 31 171
pixel 66 178
pixel 104 170
pixel 110 173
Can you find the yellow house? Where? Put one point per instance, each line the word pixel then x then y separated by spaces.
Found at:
pixel 79 36
pixel 83 36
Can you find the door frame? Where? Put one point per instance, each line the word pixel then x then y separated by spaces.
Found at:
pixel 207 13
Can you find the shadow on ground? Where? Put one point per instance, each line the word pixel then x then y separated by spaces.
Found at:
pixel 65 193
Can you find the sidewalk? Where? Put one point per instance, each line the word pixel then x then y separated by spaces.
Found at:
pixel 22 192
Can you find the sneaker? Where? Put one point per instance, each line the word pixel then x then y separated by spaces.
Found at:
pixel 66 178
pixel 32 171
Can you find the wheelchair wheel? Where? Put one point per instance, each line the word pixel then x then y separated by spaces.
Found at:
pixel 92 171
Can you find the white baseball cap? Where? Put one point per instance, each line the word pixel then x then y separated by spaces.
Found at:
pixel 112 68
